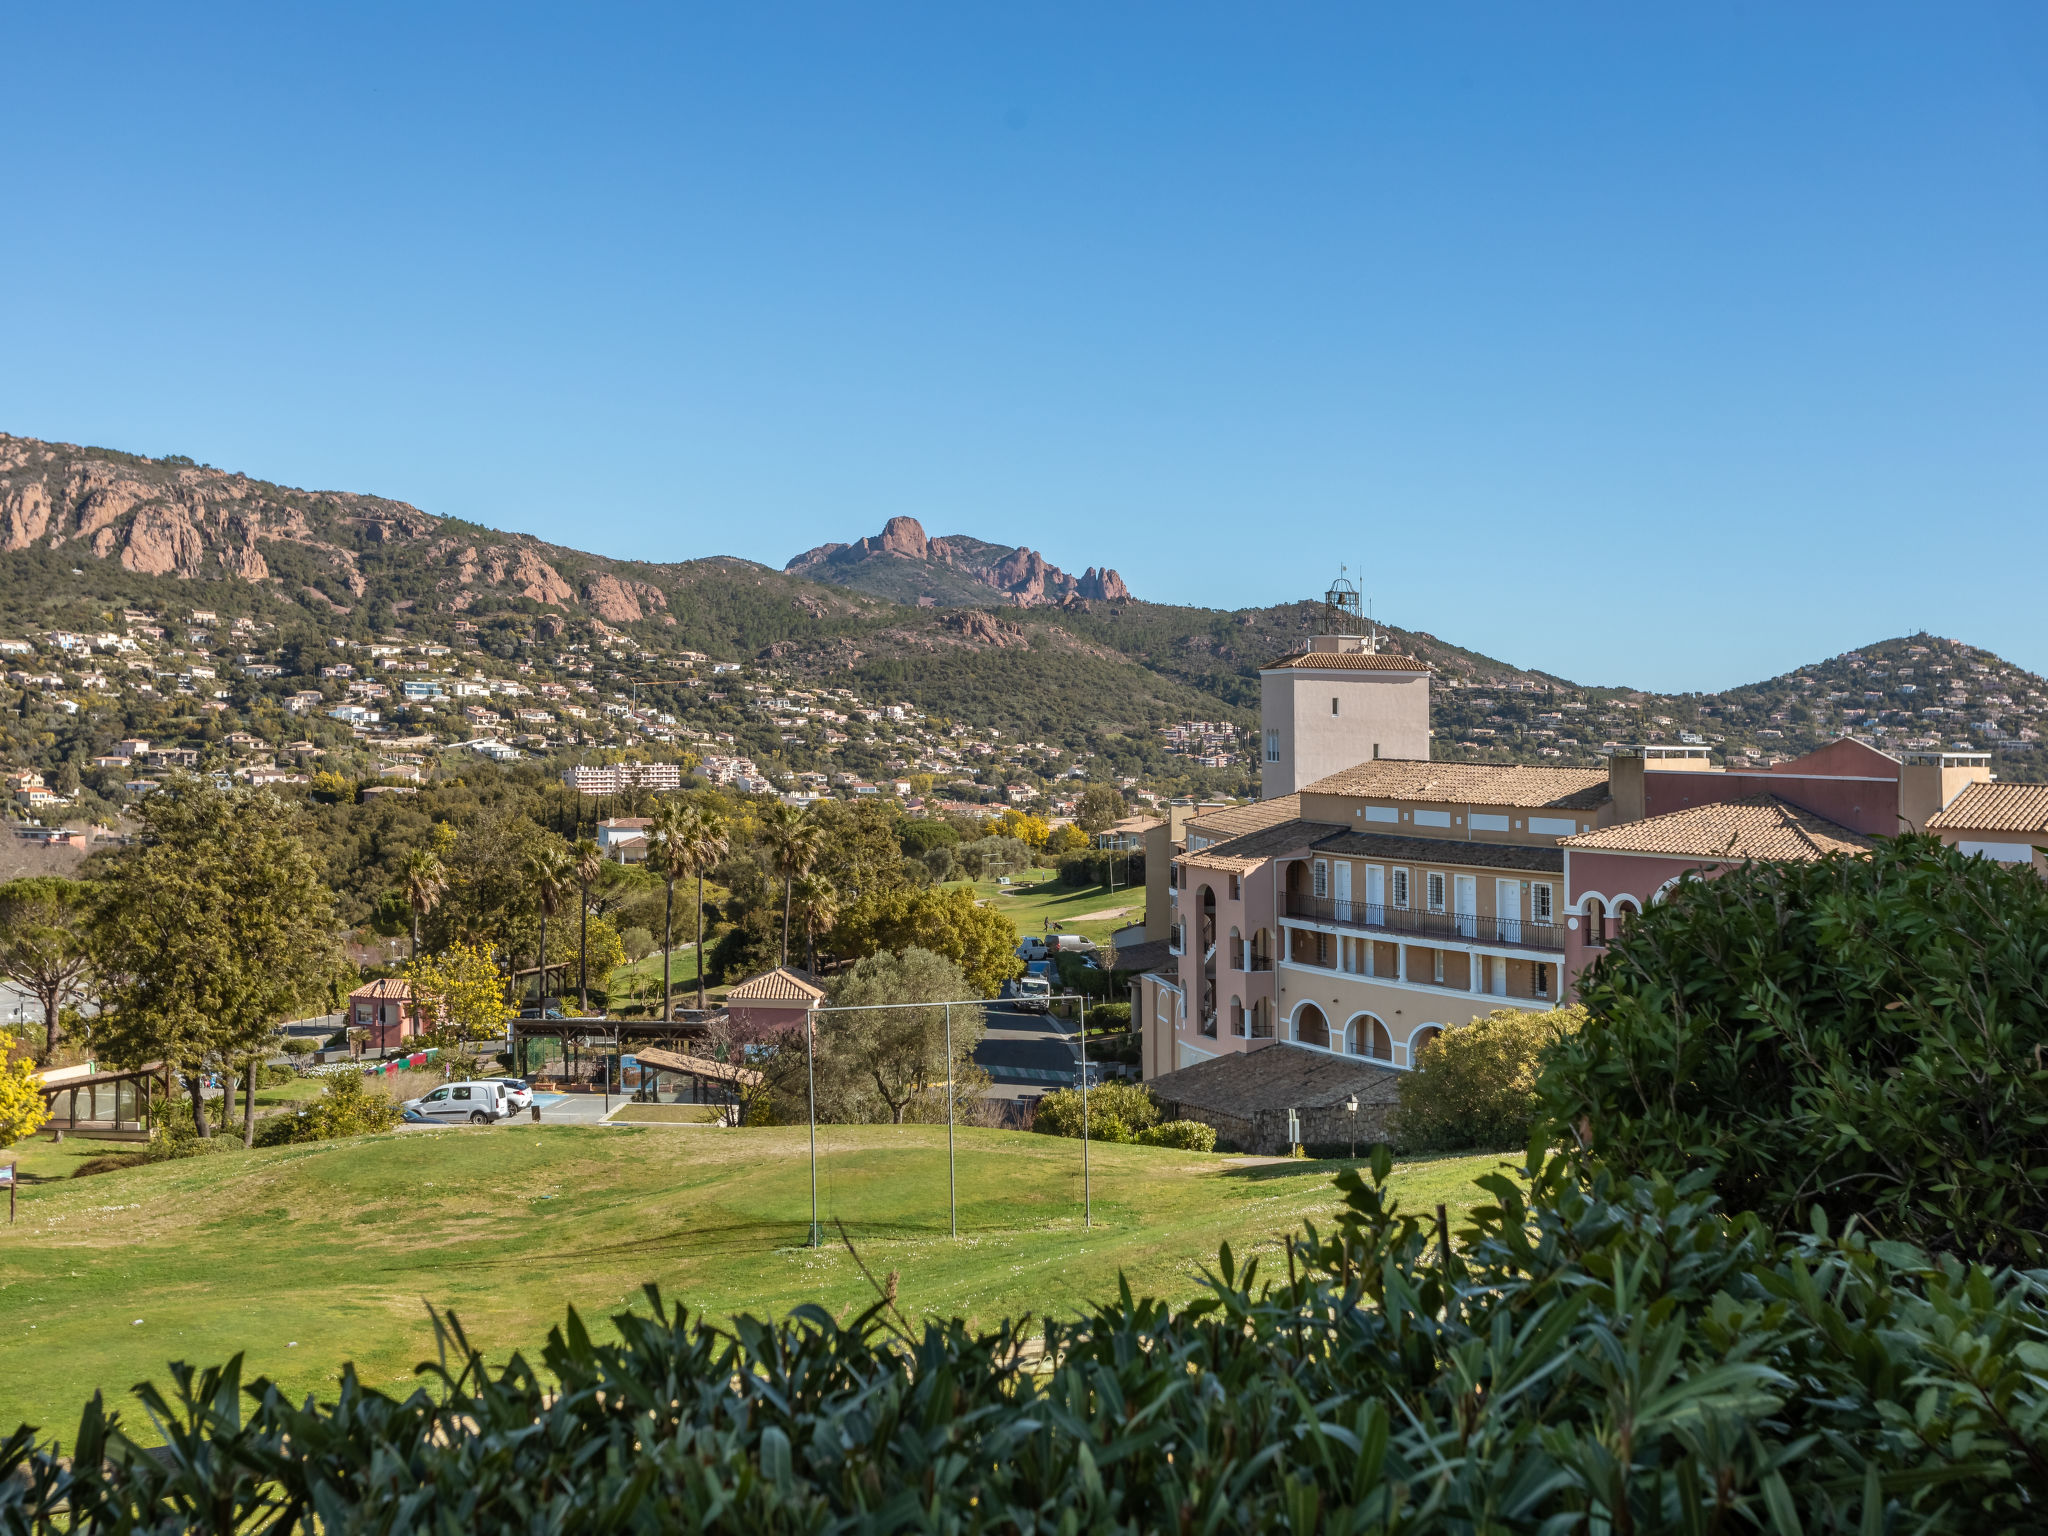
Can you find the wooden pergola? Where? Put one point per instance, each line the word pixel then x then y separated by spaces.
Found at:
pixel 118 1105
pixel 724 1079
pixel 601 1038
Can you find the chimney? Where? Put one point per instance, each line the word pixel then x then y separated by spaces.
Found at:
pixel 1625 784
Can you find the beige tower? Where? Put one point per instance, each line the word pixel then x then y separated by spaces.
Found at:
pixel 1338 702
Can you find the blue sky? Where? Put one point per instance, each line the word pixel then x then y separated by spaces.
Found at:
pixel 1672 349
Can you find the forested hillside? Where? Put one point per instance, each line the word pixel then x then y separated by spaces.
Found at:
pixel 90 536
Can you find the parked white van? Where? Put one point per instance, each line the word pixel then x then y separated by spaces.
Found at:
pixel 479 1103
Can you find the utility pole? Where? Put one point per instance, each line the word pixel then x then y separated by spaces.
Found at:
pixel 952 1171
pixel 811 1086
pixel 1087 1195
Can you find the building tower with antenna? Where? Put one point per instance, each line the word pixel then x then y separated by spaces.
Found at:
pixel 1340 700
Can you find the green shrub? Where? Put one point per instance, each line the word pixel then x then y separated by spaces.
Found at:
pixel 1476 1085
pixel 1863 1034
pixel 1108 1016
pixel 1593 1355
pixel 347 1108
pixel 1116 1112
pixel 1187 1135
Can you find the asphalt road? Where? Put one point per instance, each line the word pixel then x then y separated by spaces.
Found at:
pixel 1025 1054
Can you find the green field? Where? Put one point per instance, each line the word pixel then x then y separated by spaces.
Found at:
pixel 1032 907
pixel 305 1257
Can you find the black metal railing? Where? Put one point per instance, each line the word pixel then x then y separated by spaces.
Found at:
pixel 1467 928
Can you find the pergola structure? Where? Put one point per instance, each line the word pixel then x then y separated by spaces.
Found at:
pixel 586 1045
pixel 711 1081
pixel 117 1105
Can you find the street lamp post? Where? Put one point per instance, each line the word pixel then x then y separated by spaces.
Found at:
pixel 1351 1108
pixel 1087 1194
pixel 811 1088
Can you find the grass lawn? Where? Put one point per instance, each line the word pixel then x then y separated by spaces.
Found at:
pixel 1032 906
pixel 305 1257
pixel 667 1114
pixel 640 980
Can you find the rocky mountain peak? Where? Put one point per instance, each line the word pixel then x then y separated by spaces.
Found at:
pixel 952 570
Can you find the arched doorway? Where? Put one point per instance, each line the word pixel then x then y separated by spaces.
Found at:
pixel 1310 1027
pixel 1418 1040
pixel 1369 1038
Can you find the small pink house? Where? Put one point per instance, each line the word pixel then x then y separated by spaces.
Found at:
pixel 387 1010
pixel 768 1004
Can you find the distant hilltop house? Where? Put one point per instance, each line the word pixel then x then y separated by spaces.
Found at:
pixel 623 838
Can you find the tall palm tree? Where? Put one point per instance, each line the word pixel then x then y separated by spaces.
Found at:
pixel 817 908
pixel 426 881
pixel 669 832
pixel 794 841
pixel 709 839
pixel 550 873
pixel 589 862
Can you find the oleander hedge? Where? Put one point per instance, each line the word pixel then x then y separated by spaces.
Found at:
pixel 1594 1354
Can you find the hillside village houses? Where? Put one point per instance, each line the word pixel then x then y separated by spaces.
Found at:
pixel 1376 898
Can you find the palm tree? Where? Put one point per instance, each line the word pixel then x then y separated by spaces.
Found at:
pixel 709 838
pixel 549 873
pixel 793 840
pixel 589 862
pixel 669 832
pixel 426 881
pixel 817 907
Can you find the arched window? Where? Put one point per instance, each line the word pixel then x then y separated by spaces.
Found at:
pixel 1626 908
pixel 1262 1019
pixel 1310 1027
pixel 1236 961
pixel 1596 922
pixel 1369 1038
pixel 1237 1018
pixel 1419 1040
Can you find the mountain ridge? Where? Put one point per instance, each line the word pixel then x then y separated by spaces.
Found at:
pixel 902 560
pixel 1051 653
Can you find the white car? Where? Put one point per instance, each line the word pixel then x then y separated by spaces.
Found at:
pixel 479 1103
pixel 518 1092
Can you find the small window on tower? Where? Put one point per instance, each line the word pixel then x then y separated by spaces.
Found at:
pixel 1333 706
pixel 1272 746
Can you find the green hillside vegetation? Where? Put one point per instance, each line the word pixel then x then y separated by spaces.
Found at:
pixel 1086 677
pixel 310 1256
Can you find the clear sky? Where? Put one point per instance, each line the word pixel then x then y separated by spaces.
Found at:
pixel 1671 345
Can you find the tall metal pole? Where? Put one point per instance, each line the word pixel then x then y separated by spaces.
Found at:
pixel 811 1082
pixel 1087 1196
pixel 952 1171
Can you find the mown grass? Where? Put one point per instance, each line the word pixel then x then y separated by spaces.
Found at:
pixel 1035 906
pixel 306 1257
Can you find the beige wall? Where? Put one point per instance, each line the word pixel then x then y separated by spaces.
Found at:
pixel 1387 710
pixel 1925 788
pixel 1405 1011
pixel 1415 818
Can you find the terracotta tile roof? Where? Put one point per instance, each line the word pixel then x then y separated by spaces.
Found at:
pixel 1763 827
pixel 782 985
pixel 1247 852
pixel 388 987
pixel 1345 661
pixel 1276 1076
pixel 1995 808
pixel 1469 784
pixel 1236 820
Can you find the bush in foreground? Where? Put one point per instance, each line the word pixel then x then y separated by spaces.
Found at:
pixel 1594 1355
pixel 347 1108
pixel 1866 1034
pixel 1476 1086
pixel 1116 1112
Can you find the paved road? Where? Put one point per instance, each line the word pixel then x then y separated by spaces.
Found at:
pixel 1025 1053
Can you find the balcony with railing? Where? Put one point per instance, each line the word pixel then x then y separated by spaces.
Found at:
pixel 1454 927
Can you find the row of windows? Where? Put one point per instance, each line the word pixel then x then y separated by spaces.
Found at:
pixel 1390 887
